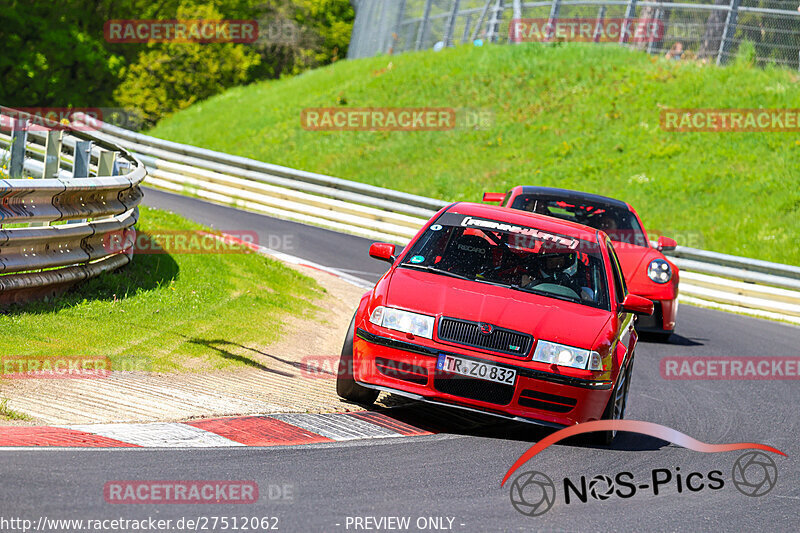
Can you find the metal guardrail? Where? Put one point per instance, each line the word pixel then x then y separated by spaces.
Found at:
pixel 770 289
pixel 68 204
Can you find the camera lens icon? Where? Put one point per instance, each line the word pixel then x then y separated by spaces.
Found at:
pixel 754 474
pixel 532 493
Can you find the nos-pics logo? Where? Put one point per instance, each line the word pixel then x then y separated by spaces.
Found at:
pixel 533 493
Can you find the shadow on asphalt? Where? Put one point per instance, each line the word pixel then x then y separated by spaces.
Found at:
pixel 677 340
pixel 440 419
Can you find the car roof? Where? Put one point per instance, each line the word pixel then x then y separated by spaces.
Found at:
pixel 574 195
pixel 525 218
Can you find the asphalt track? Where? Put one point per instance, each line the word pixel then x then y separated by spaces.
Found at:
pixel 457 472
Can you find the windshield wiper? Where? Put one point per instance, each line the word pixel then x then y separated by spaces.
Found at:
pixel 432 269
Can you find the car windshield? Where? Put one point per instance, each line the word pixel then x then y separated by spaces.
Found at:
pixel 517 257
pixel 619 224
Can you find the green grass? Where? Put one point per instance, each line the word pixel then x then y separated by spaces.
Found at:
pixel 6 413
pixel 576 116
pixel 167 312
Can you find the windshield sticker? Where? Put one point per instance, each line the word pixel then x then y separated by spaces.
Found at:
pixel 469 221
pixel 417 259
pixel 436 227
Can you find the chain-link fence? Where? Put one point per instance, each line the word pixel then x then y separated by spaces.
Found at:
pixel 767 31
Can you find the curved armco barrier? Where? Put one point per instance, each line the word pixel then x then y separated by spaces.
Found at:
pixel 67 194
pixel 761 288
pixel 634 426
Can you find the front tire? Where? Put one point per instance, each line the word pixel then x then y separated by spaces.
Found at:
pixel 346 385
pixel 615 410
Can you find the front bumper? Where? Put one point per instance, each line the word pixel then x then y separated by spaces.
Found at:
pixel 662 320
pixel 410 369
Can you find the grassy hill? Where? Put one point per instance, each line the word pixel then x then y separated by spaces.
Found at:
pixel 579 116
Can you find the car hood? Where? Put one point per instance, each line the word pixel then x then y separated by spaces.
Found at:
pixel 544 318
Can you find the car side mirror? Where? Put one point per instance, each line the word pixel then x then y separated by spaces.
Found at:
pixel 382 251
pixel 637 305
pixel 666 244
pixel 494 197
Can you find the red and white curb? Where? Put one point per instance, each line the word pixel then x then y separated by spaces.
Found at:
pixel 263 430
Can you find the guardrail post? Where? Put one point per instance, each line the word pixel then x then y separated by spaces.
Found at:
pixel 630 14
pixel 80 166
pixel 52 149
pixel 728 31
pixel 423 25
pixel 105 164
pixel 451 23
pixel 19 136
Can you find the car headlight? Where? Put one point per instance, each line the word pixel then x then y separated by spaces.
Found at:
pixel 562 355
pixel 659 271
pixel 405 321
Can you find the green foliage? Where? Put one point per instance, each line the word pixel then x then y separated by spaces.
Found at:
pixel 172 76
pixel 52 57
pixel 576 116
pixel 746 55
pixel 55 54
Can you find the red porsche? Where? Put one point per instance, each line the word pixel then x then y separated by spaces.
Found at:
pixel 501 311
pixel 647 270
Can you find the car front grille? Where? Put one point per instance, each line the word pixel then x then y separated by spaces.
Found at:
pixel 500 340
pixel 474 389
pixel 547 402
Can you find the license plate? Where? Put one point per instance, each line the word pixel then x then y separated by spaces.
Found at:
pixel 476 369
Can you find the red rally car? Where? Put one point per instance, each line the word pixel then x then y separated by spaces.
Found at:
pixel 501 311
pixel 647 270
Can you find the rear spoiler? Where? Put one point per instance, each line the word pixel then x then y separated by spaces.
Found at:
pixel 491 197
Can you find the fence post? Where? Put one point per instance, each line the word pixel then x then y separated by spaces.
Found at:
pixel 630 14
pixel 598 27
pixel 52 154
pixel 516 18
pixel 651 39
pixel 494 22
pixel 396 33
pixel 19 136
pixel 480 19
pixel 467 26
pixel 451 23
pixel 423 26
pixel 728 31
pixel 555 9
